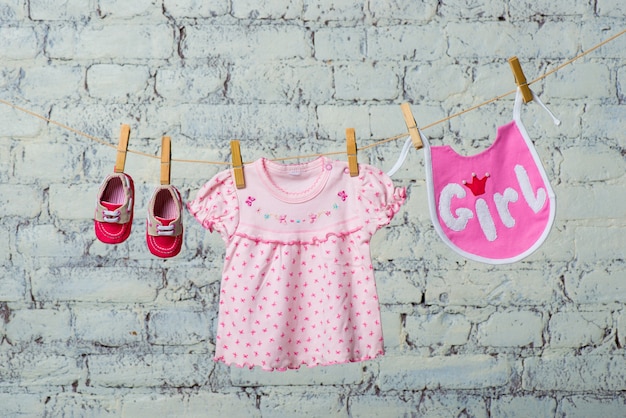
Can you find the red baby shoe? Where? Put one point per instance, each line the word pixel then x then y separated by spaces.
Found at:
pixel 164 232
pixel 114 208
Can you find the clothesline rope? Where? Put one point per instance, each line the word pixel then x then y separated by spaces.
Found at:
pixel 374 144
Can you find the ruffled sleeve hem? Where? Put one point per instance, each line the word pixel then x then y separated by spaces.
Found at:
pixel 394 204
pixel 206 223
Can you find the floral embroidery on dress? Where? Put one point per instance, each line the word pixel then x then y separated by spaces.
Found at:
pixel 309 218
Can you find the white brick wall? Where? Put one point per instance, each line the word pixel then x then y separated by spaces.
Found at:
pixel 88 329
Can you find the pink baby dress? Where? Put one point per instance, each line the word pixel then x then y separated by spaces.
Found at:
pixel 298 283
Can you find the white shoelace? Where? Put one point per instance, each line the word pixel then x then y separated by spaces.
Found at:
pixel 165 230
pixel 111 216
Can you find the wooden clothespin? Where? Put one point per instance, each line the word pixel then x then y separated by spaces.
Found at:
pixel 166 156
pixel 353 163
pixel 122 147
pixel 235 150
pixel 411 125
pixel 520 79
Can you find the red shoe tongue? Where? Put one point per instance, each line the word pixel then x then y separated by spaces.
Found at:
pixel 165 222
pixel 111 206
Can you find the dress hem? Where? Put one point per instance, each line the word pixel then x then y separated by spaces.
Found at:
pixel 251 366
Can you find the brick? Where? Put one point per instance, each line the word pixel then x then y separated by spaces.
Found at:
pixel 12 279
pixel 399 287
pixel 444 329
pixel 18 43
pixel 620 329
pixel 6 163
pixel 178 327
pixel 53 82
pixel 20 200
pixel 33 162
pixel 13 10
pixel 597 122
pixel 589 37
pixel 82 197
pixel 437 403
pixel 22 404
pixel 332 10
pixel 421 11
pixel 185 83
pixel 523 9
pixel 267 121
pixel 584 80
pixel 149 370
pixel 393 331
pixel 341 374
pixel 596 244
pixel 38 325
pixel 512 329
pixel 412 43
pixel 101 121
pixel 527 39
pixel 82 404
pixel 195 277
pixel 30 369
pixel 117 82
pixel 621 84
pixel 264 43
pixel 578 329
pixel 103 285
pixel 333 120
pixel 196 8
pixel 389 243
pixel 611 8
pixel 271 83
pixel 471 10
pixel 190 406
pixel 429 404
pixel 292 404
pixel 451 372
pixel 267 9
pixel 108 327
pixel 588 373
pixel 591 164
pixel 512 406
pixel 47 241
pixel 340 44
pixel 581 406
pixel 121 9
pixel 590 201
pixel 492 79
pixel 380 406
pixel 14 123
pixel 444 83
pixel 518 287
pixel 120 41
pixel 60 9
pixel 599 286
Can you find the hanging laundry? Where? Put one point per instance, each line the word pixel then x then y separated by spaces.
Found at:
pixel 496 206
pixel 298 283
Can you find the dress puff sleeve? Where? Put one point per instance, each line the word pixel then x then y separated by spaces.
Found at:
pixel 216 205
pixel 380 199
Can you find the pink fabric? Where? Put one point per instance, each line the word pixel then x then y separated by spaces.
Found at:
pixel 298 284
pixel 513 215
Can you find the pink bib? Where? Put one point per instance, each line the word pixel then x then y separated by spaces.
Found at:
pixel 496 206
